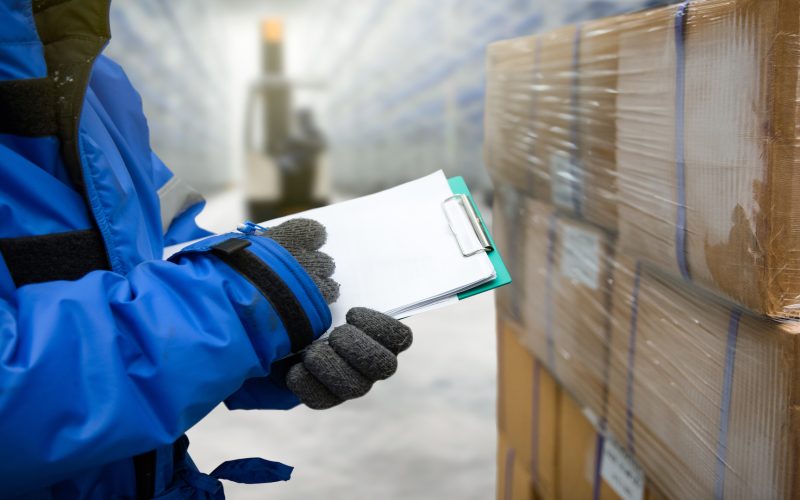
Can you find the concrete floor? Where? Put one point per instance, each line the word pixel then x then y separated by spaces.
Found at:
pixel 426 433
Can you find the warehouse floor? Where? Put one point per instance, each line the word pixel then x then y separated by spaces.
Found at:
pixel 428 432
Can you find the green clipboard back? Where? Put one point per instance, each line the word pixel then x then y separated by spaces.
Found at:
pixel 458 186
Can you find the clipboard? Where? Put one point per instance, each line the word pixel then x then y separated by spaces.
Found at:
pixel 462 196
pixel 408 216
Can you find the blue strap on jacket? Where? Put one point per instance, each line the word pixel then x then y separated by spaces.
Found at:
pixel 189 483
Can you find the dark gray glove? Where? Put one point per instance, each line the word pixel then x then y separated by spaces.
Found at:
pixel 355 355
pixel 303 238
pixel 346 364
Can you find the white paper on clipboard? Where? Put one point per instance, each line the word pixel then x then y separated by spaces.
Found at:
pixel 395 250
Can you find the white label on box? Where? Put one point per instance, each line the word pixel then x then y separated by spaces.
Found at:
pixel 580 256
pixel 562 180
pixel 621 472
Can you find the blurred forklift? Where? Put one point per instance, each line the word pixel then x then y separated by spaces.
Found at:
pixel 284 147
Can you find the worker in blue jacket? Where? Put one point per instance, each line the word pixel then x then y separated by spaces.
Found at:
pixel 109 354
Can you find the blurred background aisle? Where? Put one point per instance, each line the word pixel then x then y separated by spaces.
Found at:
pixel 395 86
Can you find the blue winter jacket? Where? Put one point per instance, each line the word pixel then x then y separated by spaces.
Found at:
pixel 117 362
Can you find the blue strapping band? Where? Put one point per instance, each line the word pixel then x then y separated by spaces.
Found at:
pixel 632 355
pixel 549 334
pixel 535 422
pixel 576 176
pixel 598 458
pixel 508 491
pixel 727 386
pixel 680 146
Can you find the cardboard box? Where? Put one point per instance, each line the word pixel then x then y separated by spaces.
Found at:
pixel 565 313
pixel 555 120
pixel 702 394
pixel 507 223
pixel 508 137
pixel 526 413
pixel 675 126
pixel 708 148
pixel 513 479
pixel 597 115
pixel 578 459
pixel 550 118
pixel 548 446
pixel 582 450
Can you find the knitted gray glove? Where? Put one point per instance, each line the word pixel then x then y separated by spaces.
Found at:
pixel 355 355
pixel 303 238
pixel 346 364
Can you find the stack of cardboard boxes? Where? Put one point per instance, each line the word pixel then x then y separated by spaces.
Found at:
pixel 548 445
pixel 648 204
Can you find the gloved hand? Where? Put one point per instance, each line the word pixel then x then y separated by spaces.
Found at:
pixel 355 355
pixel 303 238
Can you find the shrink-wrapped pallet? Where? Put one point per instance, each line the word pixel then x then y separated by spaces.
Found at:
pixel 677 128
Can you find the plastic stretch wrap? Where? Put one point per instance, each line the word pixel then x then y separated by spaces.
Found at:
pixel 676 130
pixel 547 443
pixel 700 392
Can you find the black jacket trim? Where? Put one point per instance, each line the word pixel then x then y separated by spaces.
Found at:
pixel 73 32
pixel 51 257
pixel 26 107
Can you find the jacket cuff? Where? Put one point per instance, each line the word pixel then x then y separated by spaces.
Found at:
pixel 277 276
pixel 266 393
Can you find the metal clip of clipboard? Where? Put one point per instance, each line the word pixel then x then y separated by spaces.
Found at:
pixel 466 226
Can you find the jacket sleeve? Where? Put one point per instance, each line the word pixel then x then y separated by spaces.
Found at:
pixel 110 366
